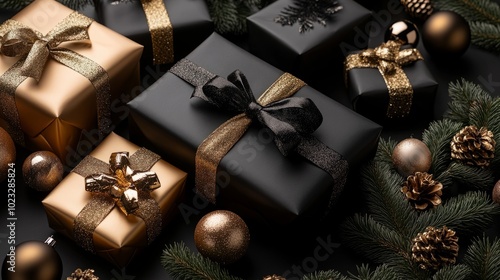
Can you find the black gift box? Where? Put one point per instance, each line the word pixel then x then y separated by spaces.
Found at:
pixel 190 20
pixel 261 182
pixel 370 97
pixel 306 54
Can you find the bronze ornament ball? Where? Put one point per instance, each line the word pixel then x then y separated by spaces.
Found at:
pixel 42 171
pixel 496 193
pixel 411 155
pixel 222 236
pixel 403 31
pixel 446 35
pixel 7 153
pixel 33 260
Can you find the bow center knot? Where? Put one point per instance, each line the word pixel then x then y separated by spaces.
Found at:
pixel 123 183
pixel 253 109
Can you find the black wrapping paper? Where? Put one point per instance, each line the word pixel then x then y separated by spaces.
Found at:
pixel 256 179
pixel 190 20
pixel 370 96
pixel 305 54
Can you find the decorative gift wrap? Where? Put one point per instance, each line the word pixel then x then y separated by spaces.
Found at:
pixel 168 29
pixel 390 82
pixel 61 74
pixel 116 201
pixel 305 54
pixel 254 177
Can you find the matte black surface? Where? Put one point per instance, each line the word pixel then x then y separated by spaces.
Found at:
pixel 279 190
pixel 190 21
pixel 270 252
pixel 303 54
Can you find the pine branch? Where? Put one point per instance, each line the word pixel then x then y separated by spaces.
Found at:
pixel 307 12
pixel 181 263
pixel 382 272
pixel 454 272
pixel 485 35
pixel 483 257
pixel 472 10
pixel 385 201
pixel 373 240
pixel 466 214
pixel 438 137
pixel 384 151
pixel 470 176
pixel 463 95
pixel 326 275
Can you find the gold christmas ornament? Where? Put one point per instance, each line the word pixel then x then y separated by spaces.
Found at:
pixel 422 191
pixel 411 155
pixel 496 193
pixel 404 32
pixel 273 277
pixel 7 153
pixel 473 146
pixel 222 236
pixel 446 35
pixel 435 248
pixel 87 274
pixel 33 260
pixel 419 9
pixel 42 171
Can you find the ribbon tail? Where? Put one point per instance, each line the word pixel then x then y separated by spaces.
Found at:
pixel 327 159
pixel 212 150
pixel 99 79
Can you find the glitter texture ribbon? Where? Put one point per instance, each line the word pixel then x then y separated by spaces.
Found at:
pixel 34 49
pixel 162 33
pixel 118 184
pixel 290 119
pixel 389 58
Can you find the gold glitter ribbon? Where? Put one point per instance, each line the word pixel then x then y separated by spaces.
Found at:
pixel 34 49
pixel 118 184
pixel 162 33
pixel 389 59
pixel 221 140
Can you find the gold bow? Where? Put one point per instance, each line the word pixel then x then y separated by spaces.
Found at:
pixel 29 43
pixel 123 184
pixel 34 49
pixel 389 59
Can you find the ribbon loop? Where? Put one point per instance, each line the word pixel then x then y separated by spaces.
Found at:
pixel 389 59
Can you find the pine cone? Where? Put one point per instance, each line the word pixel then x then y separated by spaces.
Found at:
pixel 422 191
pixel 419 9
pixel 87 274
pixel 435 248
pixel 273 277
pixel 473 146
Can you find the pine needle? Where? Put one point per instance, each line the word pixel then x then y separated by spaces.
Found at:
pixel 455 272
pixel 483 257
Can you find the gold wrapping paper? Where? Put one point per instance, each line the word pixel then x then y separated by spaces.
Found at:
pixel 118 237
pixel 389 58
pixel 56 110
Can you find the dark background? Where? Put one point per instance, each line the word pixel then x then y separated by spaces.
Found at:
pixel 272 250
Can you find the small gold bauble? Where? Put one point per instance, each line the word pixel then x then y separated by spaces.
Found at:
pixel 496 193
pixel 411 155
pixel 7 153
pixel 222 236
pixel 42 171
pixel 403 31
pixel 446 35
pixel 33 260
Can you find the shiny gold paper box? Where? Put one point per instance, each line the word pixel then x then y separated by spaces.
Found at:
pixel 117 238
pixel 55 111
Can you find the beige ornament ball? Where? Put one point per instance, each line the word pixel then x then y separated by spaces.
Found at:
pixel 222 236
pixel 496 193
pixel 42 171
pixel 411 155
pixel 7 153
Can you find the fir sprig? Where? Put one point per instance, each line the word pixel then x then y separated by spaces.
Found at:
pixel 483 257
pixel 483 17
pixel 454 272
pixel 307 12
pixel 181 263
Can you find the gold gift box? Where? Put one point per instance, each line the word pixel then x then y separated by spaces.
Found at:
pixel 55 111
pixel 118 238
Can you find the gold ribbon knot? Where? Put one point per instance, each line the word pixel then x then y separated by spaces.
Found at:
pixel 389 59
pixel 123 184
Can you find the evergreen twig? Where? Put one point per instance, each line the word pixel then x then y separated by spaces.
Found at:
pixel 455 272
pixel 483 258
pixel 181 263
